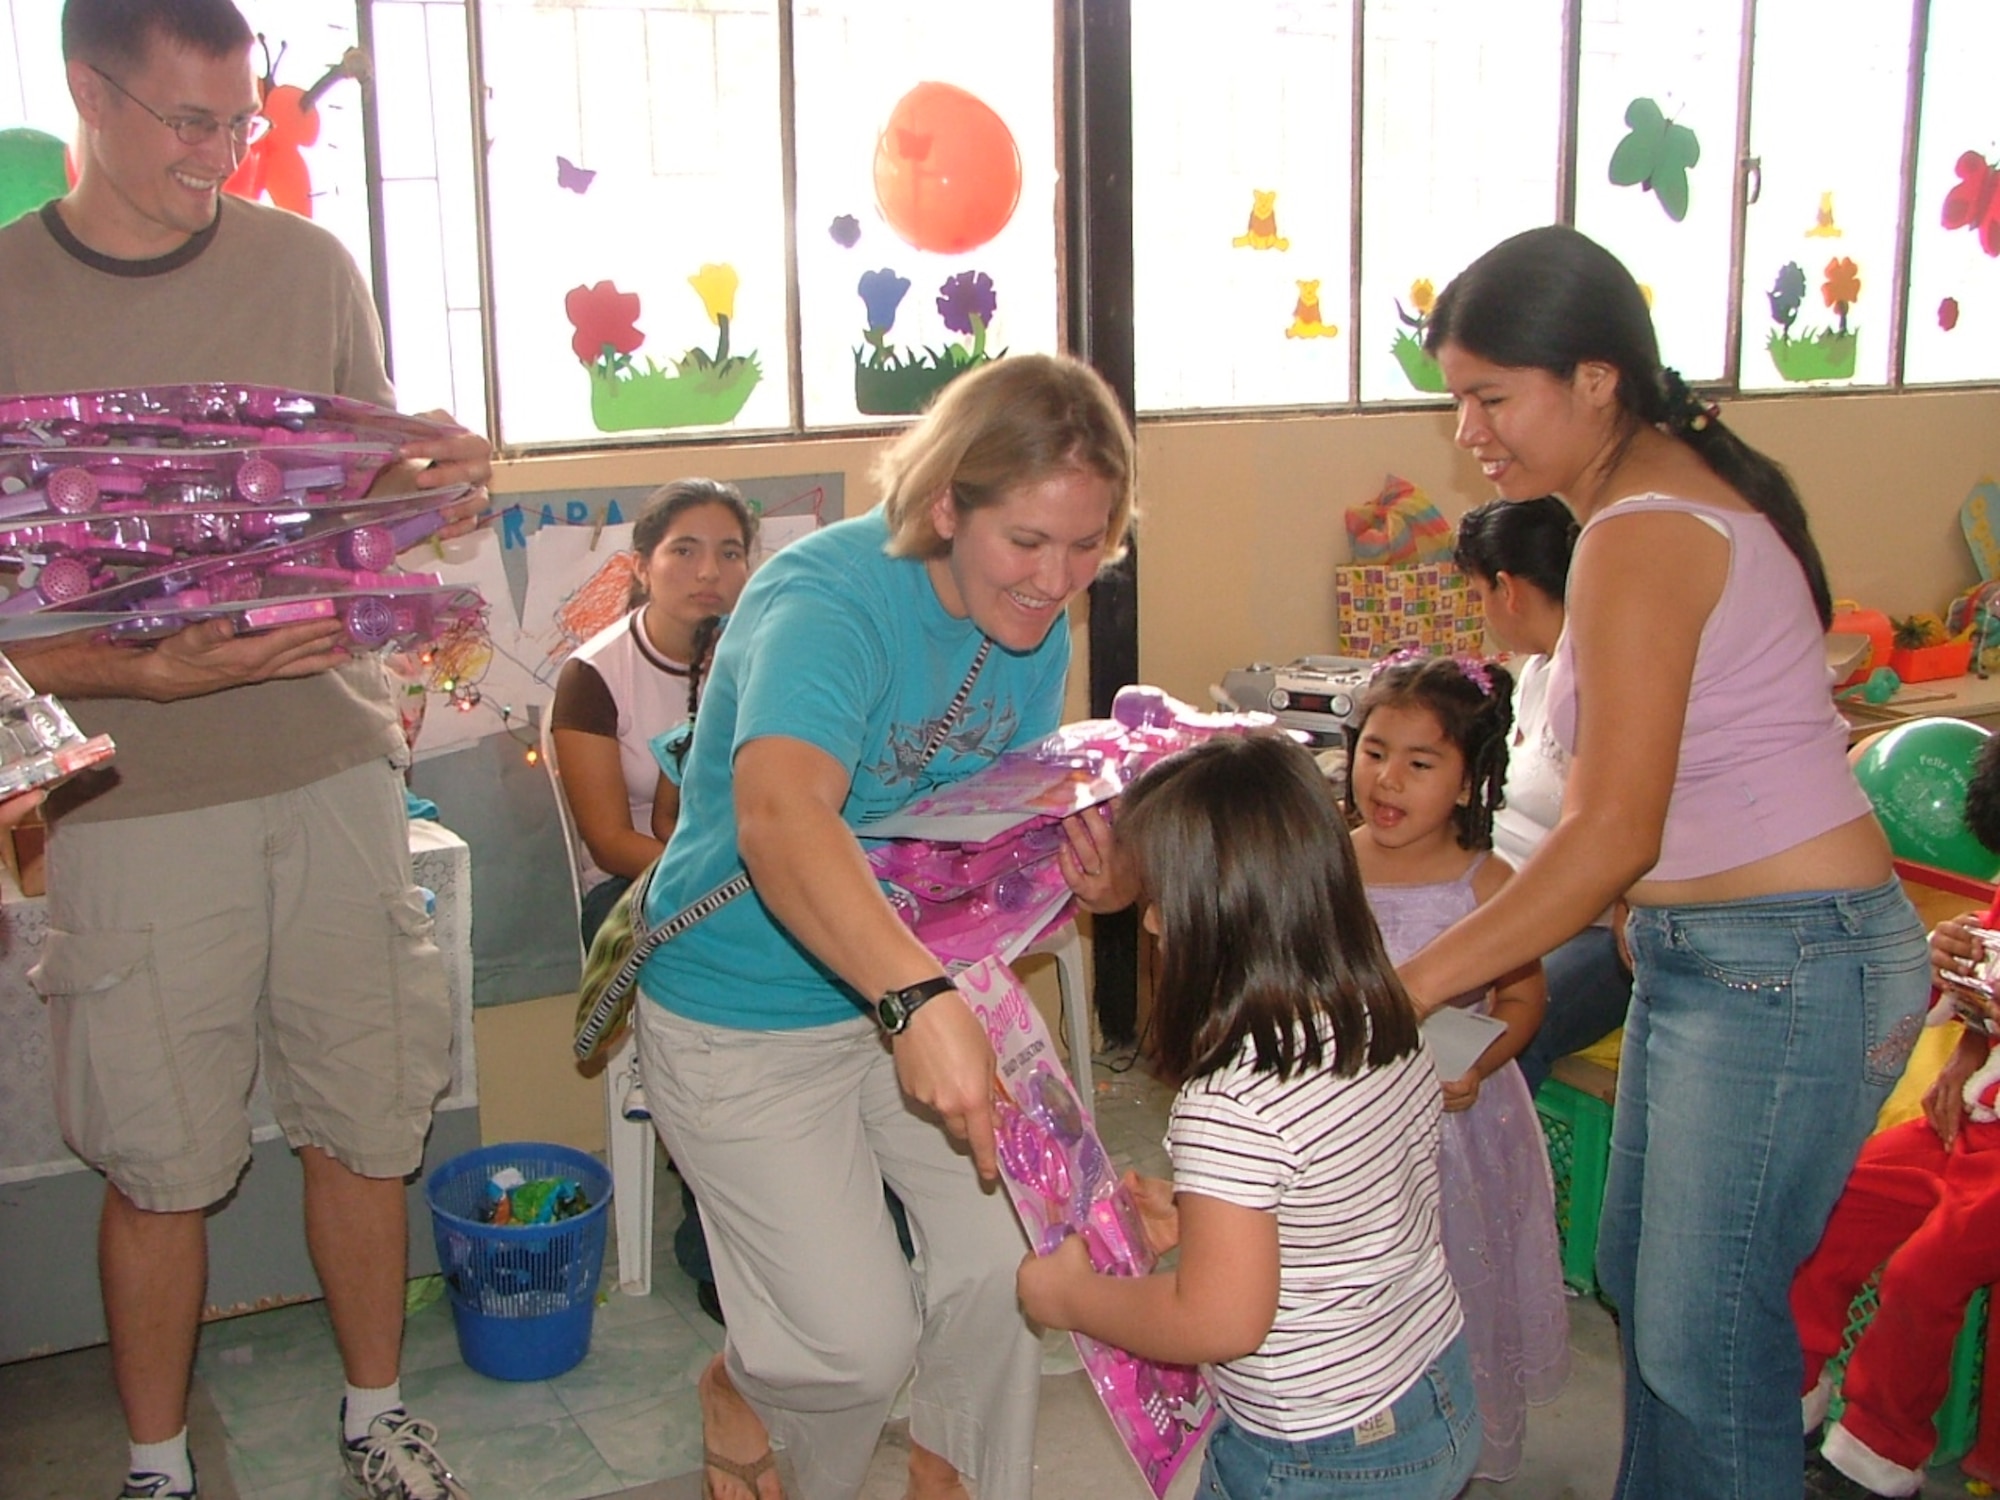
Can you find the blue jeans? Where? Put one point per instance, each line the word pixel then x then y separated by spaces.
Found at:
pixel 1428 1455
pixel 1589 988
pixel 1763 1037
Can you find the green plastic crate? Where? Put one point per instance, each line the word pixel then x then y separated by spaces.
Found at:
pixel 1578 1129
pixel 1957 1419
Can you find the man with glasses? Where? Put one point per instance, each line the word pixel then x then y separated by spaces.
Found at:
pixel 243 882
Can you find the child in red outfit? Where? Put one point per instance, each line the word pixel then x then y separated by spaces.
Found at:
pixel 1925 1198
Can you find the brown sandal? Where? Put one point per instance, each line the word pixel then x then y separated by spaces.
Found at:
pixel 744 1474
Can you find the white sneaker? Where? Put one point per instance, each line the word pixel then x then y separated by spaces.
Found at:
pixel 396 1460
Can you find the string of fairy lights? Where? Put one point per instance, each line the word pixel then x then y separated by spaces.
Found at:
pixel 454 666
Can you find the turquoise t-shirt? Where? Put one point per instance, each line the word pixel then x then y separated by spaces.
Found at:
pixel 839 645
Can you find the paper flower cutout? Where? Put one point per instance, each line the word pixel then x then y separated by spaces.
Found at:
pixel 606 321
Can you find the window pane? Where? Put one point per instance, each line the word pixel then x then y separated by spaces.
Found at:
pixel 1954 326
pixel 927 156
pixel 634 161
pixel 1828 213
pixel 1656 109
pixel 1242 184
pixel 429 226
pixel 1459 149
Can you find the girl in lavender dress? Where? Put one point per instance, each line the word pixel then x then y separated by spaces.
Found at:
pixel 1427 764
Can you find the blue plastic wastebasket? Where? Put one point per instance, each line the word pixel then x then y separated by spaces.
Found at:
pixel 522 1296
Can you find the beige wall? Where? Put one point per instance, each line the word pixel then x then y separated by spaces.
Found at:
pixel 1242 521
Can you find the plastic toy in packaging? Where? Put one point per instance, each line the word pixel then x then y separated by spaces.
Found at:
pixel 141 510
pixel 1062 1183
pixel 210 414
pixel 82 481
pixel 151 539
pixel 339 569
pixel 972 869
pixel 40 744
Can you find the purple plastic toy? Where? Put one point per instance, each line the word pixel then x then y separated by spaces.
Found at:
pixel 972 869
pixel 141 510
pixel 1061 1183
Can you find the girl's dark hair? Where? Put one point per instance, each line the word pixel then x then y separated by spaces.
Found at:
pixel 1528 539
pixel 1552 299
pixel 1473 702
pixel 667 504
pixel 1982 795
pixel 1243 853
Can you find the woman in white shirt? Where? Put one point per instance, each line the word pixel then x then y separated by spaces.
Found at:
pixel 1516 555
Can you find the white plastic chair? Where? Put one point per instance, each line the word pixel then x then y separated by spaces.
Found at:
pixel 628 1144
pixel 1065 945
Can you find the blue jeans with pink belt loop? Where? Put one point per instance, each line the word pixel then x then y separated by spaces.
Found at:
pixel 1762 1039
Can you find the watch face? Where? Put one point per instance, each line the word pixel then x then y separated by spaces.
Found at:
pixel 896 1007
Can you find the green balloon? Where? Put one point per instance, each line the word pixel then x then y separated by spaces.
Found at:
pixel 32 171
pixel 1916 775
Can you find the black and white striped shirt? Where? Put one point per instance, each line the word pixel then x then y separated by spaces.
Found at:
pixel 1349 1166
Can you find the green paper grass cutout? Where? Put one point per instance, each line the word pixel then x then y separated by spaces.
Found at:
pixel 697 390
pixel 1814 354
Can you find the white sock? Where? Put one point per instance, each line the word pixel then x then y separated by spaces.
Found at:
pixel 169 1458
pixel 1865 1466
pixel 363 1406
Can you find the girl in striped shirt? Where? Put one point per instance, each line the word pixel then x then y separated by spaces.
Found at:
pixel 1311 1276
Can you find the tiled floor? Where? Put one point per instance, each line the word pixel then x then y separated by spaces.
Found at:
pixel 625 1416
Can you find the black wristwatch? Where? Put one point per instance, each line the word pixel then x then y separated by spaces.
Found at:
pixel 895 1008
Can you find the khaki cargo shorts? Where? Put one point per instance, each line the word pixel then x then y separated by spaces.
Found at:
pixel 182 946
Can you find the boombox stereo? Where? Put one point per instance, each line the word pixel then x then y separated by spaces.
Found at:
pixel 1315 694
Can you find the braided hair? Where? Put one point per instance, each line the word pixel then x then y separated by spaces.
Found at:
pixel 1552 299
pixel 706 634
pixel 1473 702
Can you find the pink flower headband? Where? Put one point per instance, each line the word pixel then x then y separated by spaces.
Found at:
pixel 1472 668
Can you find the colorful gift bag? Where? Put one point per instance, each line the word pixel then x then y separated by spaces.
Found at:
pixel 1399 526
pixel 1384 609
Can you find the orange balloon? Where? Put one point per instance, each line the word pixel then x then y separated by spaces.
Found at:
pixel 947 171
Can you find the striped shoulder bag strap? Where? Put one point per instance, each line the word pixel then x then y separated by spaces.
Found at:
pixel 610 1003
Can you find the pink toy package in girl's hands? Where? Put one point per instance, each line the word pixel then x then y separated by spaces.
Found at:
pixel 972 869
pixel 1062 1183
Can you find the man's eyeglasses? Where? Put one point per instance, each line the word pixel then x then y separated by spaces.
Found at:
pixel 196 130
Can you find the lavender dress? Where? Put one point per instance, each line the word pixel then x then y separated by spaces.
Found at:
pixel 1499 1212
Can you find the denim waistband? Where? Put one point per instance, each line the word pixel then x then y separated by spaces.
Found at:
pixel 1851 910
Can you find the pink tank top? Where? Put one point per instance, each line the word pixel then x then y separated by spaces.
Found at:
pixel 1763 764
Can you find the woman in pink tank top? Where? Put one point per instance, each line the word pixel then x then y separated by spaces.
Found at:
pixel 1779 972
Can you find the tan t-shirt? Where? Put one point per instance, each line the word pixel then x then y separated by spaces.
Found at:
pixel 264 298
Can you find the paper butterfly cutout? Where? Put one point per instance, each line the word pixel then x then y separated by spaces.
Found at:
pixel 1655 156
pixel 1975 203
pixel 569 175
